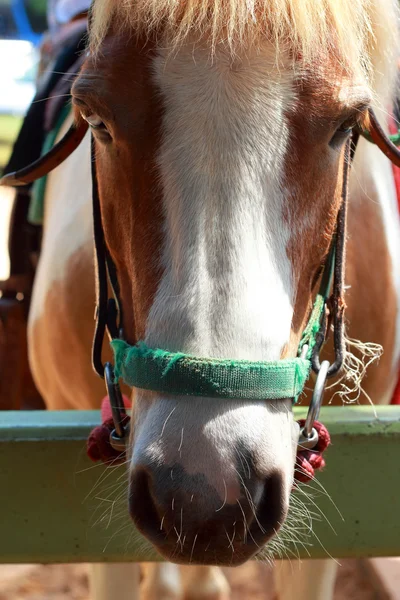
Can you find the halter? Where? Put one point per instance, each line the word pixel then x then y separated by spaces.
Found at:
pixel 183 374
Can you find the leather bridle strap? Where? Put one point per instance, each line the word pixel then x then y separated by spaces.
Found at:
pixel 337 304
pixel 375 133
pixel 50 161
pixel 108 315
pixel 101 315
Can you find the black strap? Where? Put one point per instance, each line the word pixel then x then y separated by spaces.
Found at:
pixel 337 305
pixel 108 316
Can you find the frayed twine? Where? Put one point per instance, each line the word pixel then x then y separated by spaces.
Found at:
pixel 359 356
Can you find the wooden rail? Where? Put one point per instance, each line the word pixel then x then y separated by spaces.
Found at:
pixel 56 506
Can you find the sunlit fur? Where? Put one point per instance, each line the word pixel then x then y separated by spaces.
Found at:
pixel 363 32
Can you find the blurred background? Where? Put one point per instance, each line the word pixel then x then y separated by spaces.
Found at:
pixel 22 24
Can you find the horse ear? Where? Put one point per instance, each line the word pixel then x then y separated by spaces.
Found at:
pixel 47 163
pixel 380 138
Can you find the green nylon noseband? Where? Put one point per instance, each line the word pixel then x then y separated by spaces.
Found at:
pixel 182 374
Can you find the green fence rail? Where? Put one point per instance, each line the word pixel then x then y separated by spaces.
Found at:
pixel 56 506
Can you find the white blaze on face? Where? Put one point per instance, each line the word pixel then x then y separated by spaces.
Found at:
pixel 226 290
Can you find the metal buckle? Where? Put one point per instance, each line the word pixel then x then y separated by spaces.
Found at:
pixel 308 437
pixel 119 435
pixel 118 443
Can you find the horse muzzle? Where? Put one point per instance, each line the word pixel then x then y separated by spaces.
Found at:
pixel 184 518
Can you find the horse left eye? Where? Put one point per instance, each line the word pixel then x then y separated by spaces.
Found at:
pixel 94 121
pixel 342 133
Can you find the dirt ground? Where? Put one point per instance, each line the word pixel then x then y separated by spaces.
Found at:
pixel 251 582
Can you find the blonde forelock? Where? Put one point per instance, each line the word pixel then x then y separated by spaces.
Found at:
pixel 363 31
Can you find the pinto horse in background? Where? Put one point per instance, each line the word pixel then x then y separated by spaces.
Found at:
pixel 219 130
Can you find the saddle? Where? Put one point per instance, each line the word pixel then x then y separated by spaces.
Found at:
pixel 52 100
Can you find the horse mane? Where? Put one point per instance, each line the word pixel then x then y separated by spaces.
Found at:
pixel 361 31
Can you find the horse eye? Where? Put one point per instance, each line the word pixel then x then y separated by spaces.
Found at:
pixel 345 129
pixel 94 121
pixel 342 133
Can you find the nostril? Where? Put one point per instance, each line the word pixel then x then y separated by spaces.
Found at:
pixel 272 508
pixel 142 507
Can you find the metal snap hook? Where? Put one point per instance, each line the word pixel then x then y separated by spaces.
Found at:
pixel 308 437
pixel 119 435
pixel 309 443
pixel 304 351
pixel 118 443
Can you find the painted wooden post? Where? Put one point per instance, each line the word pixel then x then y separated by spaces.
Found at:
pixel 56 506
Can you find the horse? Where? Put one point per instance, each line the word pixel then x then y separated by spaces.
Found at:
pixel 220 146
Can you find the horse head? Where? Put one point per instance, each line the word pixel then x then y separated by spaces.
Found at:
pixel 220 136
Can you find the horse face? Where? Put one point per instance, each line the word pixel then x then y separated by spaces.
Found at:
pixel 220 182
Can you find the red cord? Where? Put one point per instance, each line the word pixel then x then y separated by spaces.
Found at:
pixel 309 461
pixel 98 445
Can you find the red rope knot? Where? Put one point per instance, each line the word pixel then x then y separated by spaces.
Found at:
pixel 98 444
pixel 309 461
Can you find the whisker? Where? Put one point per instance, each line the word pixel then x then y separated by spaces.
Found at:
pixel 230 540
pixel 193 545
pixel 103 477
pixel 51 98
pixel 226 497
pixel 166 421
pixel 250 500
pixel 245 526
pixel 124 527
pixel 181 444
pixel 319 510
